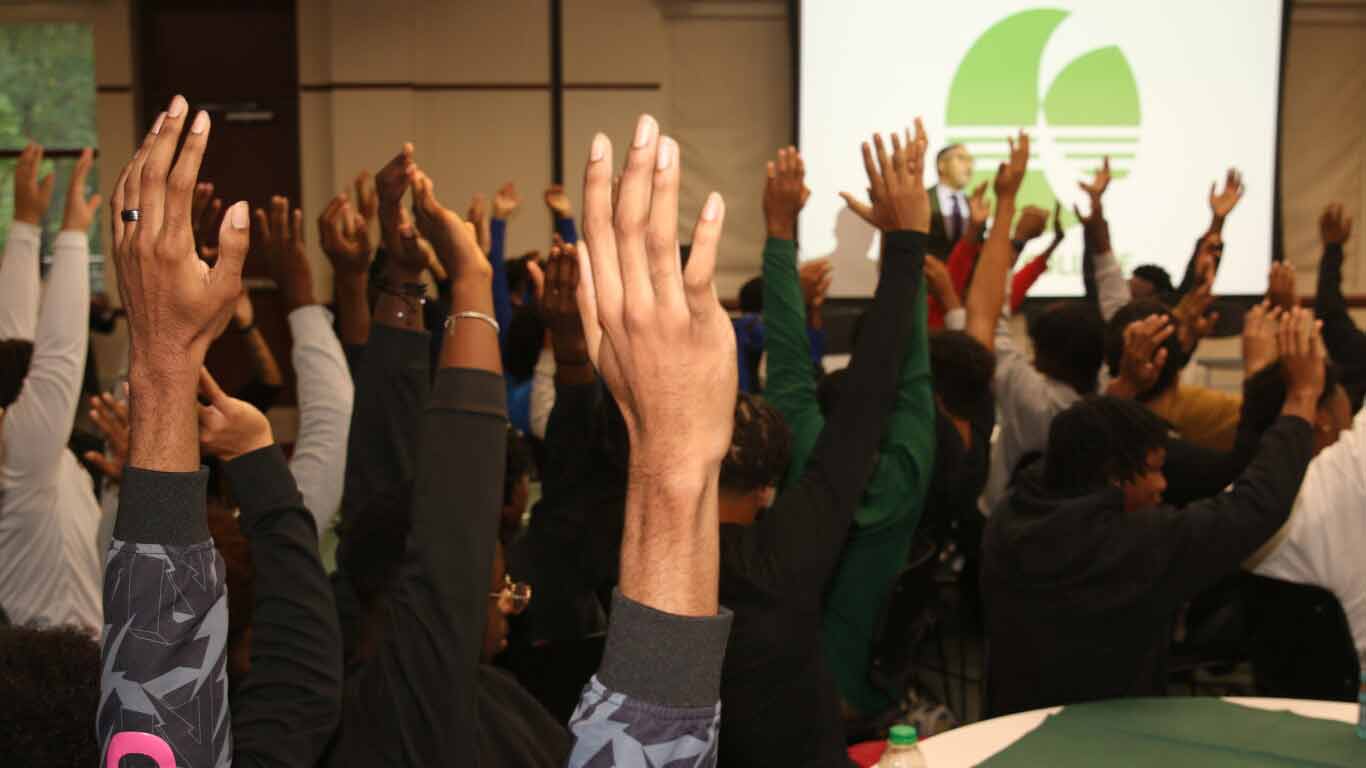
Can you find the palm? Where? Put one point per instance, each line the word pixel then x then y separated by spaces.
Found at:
pixel 1222 203
pixel 1100 183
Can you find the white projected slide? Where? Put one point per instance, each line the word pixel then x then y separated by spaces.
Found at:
pixel 1175 91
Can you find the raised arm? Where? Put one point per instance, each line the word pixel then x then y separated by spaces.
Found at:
pixel 165 608
pixel 19 283
pixel 987 294
pixel 1104 279
pixel 345 241
pixel 505 203
pixel 562 211
pixel 1221 204
pixel 659 336
pixel 1210 538
pixel 286 709
pixel 38 422
pixel 325 391
pixel 1026 276
pixel 1346 342
pixel 791 386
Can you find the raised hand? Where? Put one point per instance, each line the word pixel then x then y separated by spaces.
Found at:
pixel 979 210
pixel 666 350
pixel 1259 337
pixel 205 210
pixel 815 277
pixel 344 237
pixel 283 235
pixel 505 201
pixel 941 283
pixel 560 308
pixel 478 215
pixel 1193 319
pixel 1222 203
pixel 390 184
pixel 1099 183
pixel 1144 353
pixel 895 184
pixel 111 418
pixel 453 240
pixel 367 199
pixel 176 303
pixel 1334 228
pixel 785 192
pixel 558 202
pixel 1302 361
pixel 1057 223
pixel 536 275
pixel 1033 220
pixel 1280 286
pixel 80 210
pixel 229 427
pixel 32 196
pixel 1010 174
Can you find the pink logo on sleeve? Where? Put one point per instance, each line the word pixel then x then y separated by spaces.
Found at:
pixel 139 743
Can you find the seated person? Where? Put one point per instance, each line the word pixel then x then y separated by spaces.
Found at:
pixel 1084 568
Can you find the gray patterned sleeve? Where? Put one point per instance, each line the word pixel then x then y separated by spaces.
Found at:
pixel 656 699
pixel 165 622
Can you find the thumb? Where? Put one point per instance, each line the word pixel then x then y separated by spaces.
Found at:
pixel 45 186
pixel 208 387
pixel 95 200
pixel 233 241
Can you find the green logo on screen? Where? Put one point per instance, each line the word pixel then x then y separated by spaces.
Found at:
pixel 1091 108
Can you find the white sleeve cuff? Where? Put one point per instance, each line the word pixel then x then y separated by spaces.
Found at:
pixel 956 319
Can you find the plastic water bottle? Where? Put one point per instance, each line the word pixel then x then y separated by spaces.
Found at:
pixel 903 750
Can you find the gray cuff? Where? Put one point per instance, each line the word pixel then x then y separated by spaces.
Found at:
pixel 163 507
pixel 469 389
pixel 663 659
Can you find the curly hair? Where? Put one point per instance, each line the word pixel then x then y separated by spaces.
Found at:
pixel 760 446
pixel 49 694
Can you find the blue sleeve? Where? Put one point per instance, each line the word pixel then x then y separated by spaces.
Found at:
pixel 817 338
pixel 502 306
pixel 565 229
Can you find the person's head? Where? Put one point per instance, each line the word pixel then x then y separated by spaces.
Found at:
pixel 519 276
pixel 752 296
pixel 962 370
pixel 525 338
pixel 954 163
pixel 516 483
pixel 1069 344
pixel 51 692
pixel 506 598
pixel 15 356
pixel 1334 413
pixel 1103 442
pixel 1133 312
pixel 760 448
pixel 1150 281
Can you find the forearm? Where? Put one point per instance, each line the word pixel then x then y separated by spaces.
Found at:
pixel 671 517
pixel 353 308
pixel 1025 277
pixel 501 303
pixel 262 359
pixel 471 342
pixel 564 227
pixel 326 396
pixel 19 283
pixel 542 392
pixel 987 294
pixel 289 704
pixel 790 385
pixel 1112 290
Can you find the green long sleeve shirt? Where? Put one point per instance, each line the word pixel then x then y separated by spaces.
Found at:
pixel 894 499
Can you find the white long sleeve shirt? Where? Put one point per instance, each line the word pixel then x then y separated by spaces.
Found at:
pixel 326 395
pixel 1324 540
pixel 50 567
pixel 542 392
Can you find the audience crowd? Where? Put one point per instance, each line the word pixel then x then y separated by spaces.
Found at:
pixel 724 535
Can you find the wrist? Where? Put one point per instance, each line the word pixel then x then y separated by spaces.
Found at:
pixel 1301 404
pixel 398 274
pixel 781 228
pixel 31 218
pixel 1216 223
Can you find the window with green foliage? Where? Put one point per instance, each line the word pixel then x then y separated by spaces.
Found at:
pixel 47 95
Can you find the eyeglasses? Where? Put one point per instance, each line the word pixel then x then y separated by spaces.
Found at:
pixel 513 597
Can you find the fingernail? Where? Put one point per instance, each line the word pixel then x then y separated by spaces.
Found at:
pixel 201 122
pixel 645 130
pixel 156 127
pixel 239 216
pixel 666 154
pixel 713 207
pixel 178 106
pixel 599 150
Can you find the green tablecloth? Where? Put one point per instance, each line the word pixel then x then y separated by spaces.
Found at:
pixel 1175 732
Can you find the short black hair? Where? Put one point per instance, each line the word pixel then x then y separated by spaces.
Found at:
pixel 1266 390
pixel 51 682
pixel 760 446
pixel 947 149
pixel 963 369
pixel 518 462
pixel 1069 344
pixel 1100 441
pixel 1159 277
pixel 752 296
pixel 518 276
pixel 1133 312
pixel 15 357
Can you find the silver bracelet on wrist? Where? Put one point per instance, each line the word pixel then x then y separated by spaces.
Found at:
pixel 470 315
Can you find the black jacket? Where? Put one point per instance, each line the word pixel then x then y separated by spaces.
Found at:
pixel 1080 596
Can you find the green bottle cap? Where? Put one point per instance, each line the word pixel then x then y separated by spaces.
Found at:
pixel 902 735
